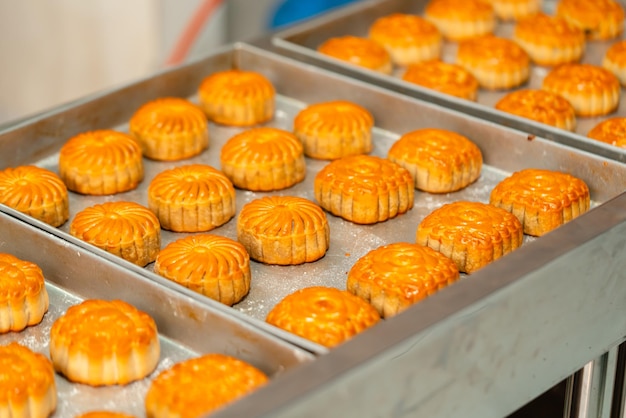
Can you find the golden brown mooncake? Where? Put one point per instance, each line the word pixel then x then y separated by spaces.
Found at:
pixel 37 192
pixel 550 40
pixel 497 63
pixel 540 105
pixel 461 19
pixel 283 230
pixel 335 129
pixel 393 277
pixel 615 61
pixel 237 98
pixel 515 9
pixel 104 414
pixel 407 38
pixel 612 131
pixel 440 161
pixel 101 162
pixel 184 391
pixel 214 266
pixel 472 234
pixel 23 295
pixel 590 89
pixel 98 342
pixel 541 199
pixel 170 129
pixel 192 198
pixel 324 315
pixel 443 77
pixel 125 229
pixel 27 386
pixel 364 189
pixel 363 52
pixel 263 159
pixel 599 19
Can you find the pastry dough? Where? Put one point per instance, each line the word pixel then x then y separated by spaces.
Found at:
pixel 100 342
pixel 541 106
pixel 23 294
pixel 237 98
pixel 393 277
pixel 615 61
pixel 192 198
pixel 440 161
pixel 591 90
pixel 100 163
pixel 37 192
pixel 612 131
pixel 363 52
pixel 364 189
pixel 263 159
pixel 550 40
pixel 283 230
pixel 324 315
pixel 541 199
pixel 443 77
pixel 497 63
pixel 336 129
pixel 214 266
pixel 170 129
pixel 515 9
pixel 196 387
pixel 472 234
pixel 600 19
pixel 27 387
pixel 407 38
pixel 126 229
pixel 461 19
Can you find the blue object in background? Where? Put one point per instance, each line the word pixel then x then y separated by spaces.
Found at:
pixel 291 11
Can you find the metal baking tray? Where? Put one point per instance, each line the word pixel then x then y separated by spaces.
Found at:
pixel 504 150
pixel 302 40
pixel 186 328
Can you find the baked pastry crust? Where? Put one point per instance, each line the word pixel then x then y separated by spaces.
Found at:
pixel 37 192
pixel 440 161
pixel 184 391
pixel 612 131
pixel 170 129
pixel 125 229
pixel 27 386
pixel 540 105
pixel 336 129
pixel 23 295
pixel 615 61
pixel 550 40
pixel 324 315
pixel 515 9
pixel 393 277
pixel 263 159
pixel 541 199
pixel 237 98
pixel 214 266
pixel 497 63
pixel 364 189
pixel 363 52
pixel 591 90
pixel 192 198
pixel 600 19
pixel 472 234
pixel 101 162
pixel 461 19
pixel 100 342
pixel 444 77
pixel 407 38
pixel 283 230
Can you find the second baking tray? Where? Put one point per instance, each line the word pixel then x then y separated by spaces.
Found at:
pixel 302 40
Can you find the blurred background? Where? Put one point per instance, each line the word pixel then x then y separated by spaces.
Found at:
pixel 56 51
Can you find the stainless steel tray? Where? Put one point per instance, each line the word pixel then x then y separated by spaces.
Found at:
pixel 505 150
pixel 302 40
pixel 187 328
